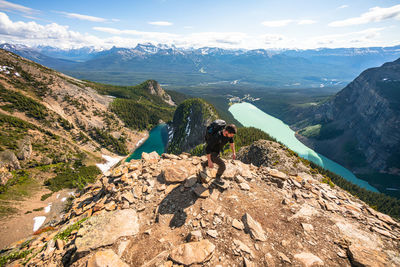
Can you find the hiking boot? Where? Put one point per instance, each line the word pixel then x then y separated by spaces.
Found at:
pixel 218 181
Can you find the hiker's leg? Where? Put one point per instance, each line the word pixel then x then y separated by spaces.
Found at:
pixel 221 164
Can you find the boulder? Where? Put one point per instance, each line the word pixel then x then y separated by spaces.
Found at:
pixel 308 259
pixel 105 228
pixel 193 252
pixel 9 160
pixel 178 171
pixel 363 256
pixel 24 149
pixel 152 157
pixel 254 228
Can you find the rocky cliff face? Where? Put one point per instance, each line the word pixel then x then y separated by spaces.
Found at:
pixel 360 126
pixel 189 124
pixel 155 212
pixel 155 89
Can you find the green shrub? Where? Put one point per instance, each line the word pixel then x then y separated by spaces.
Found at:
pixel 22 103
pixel 108 141
pixel 70 178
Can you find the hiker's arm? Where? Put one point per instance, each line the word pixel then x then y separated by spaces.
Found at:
pixel 233 150
pixel 210 163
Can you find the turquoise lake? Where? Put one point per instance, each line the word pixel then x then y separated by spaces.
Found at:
pixel 157 141
pixel 249 115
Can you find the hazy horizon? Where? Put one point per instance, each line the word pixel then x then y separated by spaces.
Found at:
pixel 286 24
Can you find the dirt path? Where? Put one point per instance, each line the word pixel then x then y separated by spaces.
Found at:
pixel 21 224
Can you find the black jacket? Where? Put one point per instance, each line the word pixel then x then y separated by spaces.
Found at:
pixel 216 142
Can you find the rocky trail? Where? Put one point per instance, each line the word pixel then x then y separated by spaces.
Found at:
pixel 156 212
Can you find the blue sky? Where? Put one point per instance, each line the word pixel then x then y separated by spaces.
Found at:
pixel 246 24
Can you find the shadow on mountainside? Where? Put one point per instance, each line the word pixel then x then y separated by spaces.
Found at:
pixel 175 203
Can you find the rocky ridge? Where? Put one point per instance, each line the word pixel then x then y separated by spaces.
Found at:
pixel 155 89
pixel 266 217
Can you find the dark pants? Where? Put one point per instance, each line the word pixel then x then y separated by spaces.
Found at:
pixel 215 157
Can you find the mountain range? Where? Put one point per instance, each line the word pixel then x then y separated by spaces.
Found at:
pixel 210 66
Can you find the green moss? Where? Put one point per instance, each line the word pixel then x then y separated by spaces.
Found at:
pixel 14 256
pixel 67 232
pixel 46 196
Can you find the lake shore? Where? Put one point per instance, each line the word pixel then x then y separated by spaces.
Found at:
pixel 249 115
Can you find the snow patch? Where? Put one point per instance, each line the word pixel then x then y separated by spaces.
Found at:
pixel 187 130
pixel 38 221
pixel 58 195
pixel 104 167
pixel 170 134
pixel 48 208
pixel 63 199
pixel 140 142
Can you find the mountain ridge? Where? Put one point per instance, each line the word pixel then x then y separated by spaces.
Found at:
pixel 271 68
pixel 266 216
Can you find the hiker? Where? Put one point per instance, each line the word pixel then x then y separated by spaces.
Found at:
pixel 217 136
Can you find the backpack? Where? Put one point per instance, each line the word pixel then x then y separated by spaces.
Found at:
pixel 214 128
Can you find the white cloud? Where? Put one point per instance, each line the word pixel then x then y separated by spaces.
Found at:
pixel 31 33
pixel 276 23
pixel 160 23
pixel 374 14
pixel 150 35
pixel 52 34
pixel 368 37
pixel 4 5
pixel 83 17
pixel 306 22
pixel 343 6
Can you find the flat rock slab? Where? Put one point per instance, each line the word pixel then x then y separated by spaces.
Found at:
pixel 193 252
pixel 277 174
pixel 105 258
pixel 364 256
pixel 105 228
pixel 306 212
